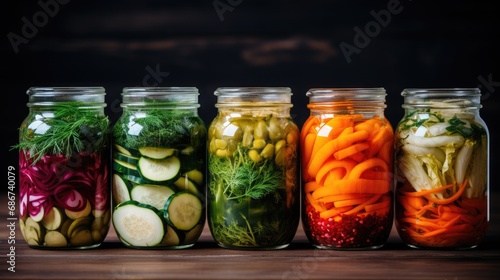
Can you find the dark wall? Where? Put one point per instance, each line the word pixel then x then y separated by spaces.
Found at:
pixel 208 44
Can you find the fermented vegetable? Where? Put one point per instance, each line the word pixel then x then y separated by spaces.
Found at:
pixel 441 198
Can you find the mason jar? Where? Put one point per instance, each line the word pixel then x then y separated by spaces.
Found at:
pixel 159 168
pixel 253 163
pixel 347 169
pixel 64 198
pixel 442 168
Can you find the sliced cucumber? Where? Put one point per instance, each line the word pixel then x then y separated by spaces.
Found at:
pixel 154 195
pixel 171 237
pixel 159 170
pixel 195 175
pixel 156 152
pixel 122 150
pixel 125 158
pixel 194 234
pixel 79 214
pixel 120 189
pixel 138 225
pixel 53 219
pixel 125 168
pixel 183 211
pixel 186 184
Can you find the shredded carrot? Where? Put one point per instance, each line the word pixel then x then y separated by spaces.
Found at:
pixel 429 221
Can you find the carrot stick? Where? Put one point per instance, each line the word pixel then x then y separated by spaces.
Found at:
pixel 367 165
pixel 377 206
pixel 362 206
pixel 308 125
pixel 369 125
pixel 313 202
pixel 332 164
pixel 311 186
pixel 341 142
pixel 349 202
pixel 307 145
pixel 353 186
pixel 384 135
pixel 338 197
pixel 386 153
pixel 334 175
pixel 349 151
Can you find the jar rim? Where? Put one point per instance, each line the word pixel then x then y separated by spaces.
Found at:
pixel 437 92
pixel 354 94
pixel 158 90
pixel 92 96
pixel 253 96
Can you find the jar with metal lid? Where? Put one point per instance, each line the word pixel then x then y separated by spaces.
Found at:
pixel 159 168
pixel 64 198
pixel 347 169
pixel 442 168
pixel 253 163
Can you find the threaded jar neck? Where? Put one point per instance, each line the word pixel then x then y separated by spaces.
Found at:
pixel 89 97
pixel 442 98
pixel 253 97
pixel 175 97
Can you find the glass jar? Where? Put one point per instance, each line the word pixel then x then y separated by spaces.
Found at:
pixel 442 168
pixel 347 169
pixel 159 168
pixel 253 186
pixel 64 199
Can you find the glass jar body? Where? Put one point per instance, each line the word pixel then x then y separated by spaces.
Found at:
pixel 253 187
pixel 64 169
pixel 159 169
pixel 347 169
pixel 442 168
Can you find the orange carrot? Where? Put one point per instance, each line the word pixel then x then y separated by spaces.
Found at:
pixel 349 202
pixel 376 206
pixel 451 198
pixel 311 186
pixel 362 205
pixel 344 140
pixel 311 122
pixel 384 135
pixel 427 192
pixel 307 145
pixel 349 151
pixel 367 165
pixel 332 164
pixel 353 186
pixel 338 197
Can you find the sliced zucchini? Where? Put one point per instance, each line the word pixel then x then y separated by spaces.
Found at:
pixel 78 225
pixel 195 175
pixel 154 195
pixel 120 189
pixel 122 150
pixel 125 168
pixel 171 237
pixel 138 225
pixel 159 170
pixel 156 152
pixel 123 157
pixel 194 234
pixel 79 214
pixel 53 219
pixel 186 184
pixel 183 210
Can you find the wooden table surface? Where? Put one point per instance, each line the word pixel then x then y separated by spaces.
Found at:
pixel 206 260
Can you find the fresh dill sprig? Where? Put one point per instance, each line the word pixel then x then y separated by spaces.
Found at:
pixel 69 130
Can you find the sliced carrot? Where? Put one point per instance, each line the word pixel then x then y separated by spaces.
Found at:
pixel 309 124
pixel 386 153
pixel 349 151
pixel 353 186
pixel 318 207
pixel 367 165
pixel 376 206
pixel 343 141
pixel 307 145
pixel 334 175
pixel 358 157
pixel 427 192
pixel 362 205
pixel 384 135
pixel 338 197
pixel 311 186
pixel 332 164
pixel 349 202
pixel 370 125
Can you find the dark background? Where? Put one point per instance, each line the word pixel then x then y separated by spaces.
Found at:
pixel 248 43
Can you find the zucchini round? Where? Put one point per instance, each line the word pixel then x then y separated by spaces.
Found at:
pixel 156 152
pixel 183 211
pixel 138 225
pixel 120 189
pixel 159 170
pixel 154 195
